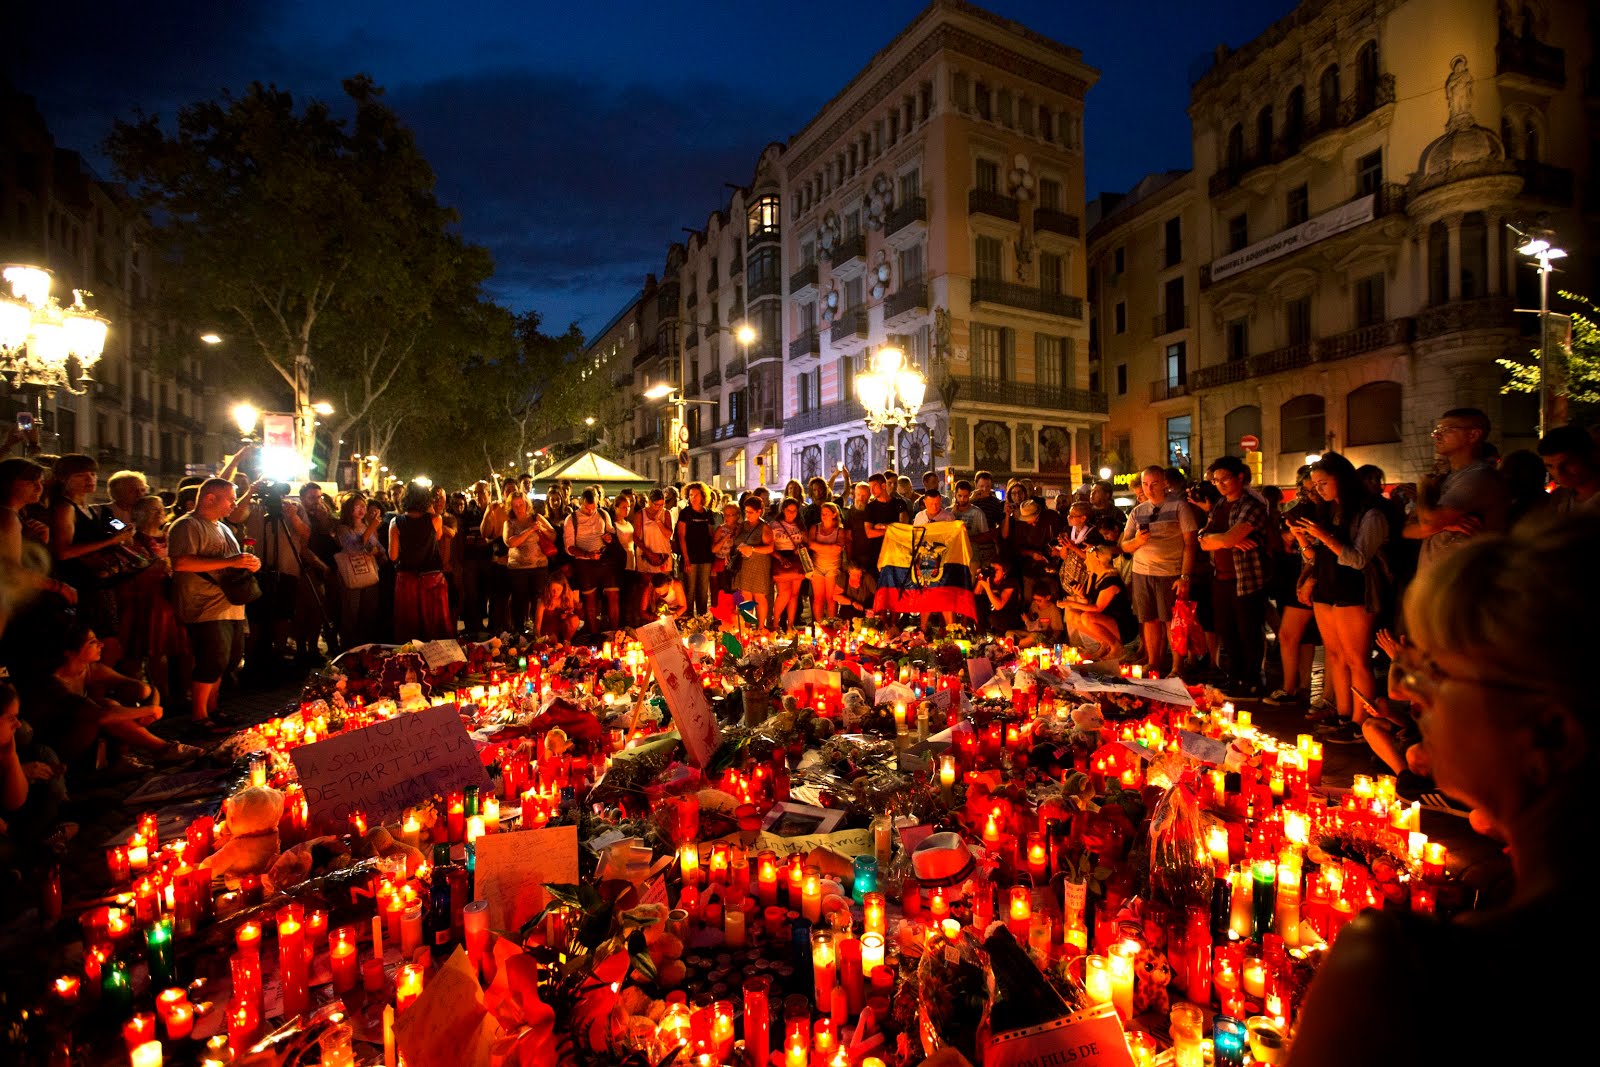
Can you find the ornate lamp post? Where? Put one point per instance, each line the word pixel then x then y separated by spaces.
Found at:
pixel 40 339
pixel 891 391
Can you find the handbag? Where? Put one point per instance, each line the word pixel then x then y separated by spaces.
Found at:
pixel 238 585
pixel 357 569
pixel 808 566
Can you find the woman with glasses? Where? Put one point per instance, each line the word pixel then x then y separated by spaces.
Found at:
pixel 1499 673
pixel 1342 579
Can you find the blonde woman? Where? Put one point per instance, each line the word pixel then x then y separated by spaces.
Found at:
pixel 827 541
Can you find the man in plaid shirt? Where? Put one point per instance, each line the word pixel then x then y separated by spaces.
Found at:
pixel 1236 535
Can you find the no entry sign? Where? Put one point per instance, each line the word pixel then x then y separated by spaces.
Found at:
pixel 1250 442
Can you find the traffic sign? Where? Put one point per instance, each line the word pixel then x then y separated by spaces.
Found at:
pixel 1250 442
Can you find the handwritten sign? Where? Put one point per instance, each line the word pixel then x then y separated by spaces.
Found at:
pixel 441 653
pixel 1203 748
pixel 685 697
pixel 1089 1038
pixel 387 767
pixel 845 843
pixel 514 868
pixel 1166 690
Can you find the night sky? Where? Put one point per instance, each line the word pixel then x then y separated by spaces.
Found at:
pixel 577 139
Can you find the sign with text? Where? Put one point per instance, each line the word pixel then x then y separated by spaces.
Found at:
pixel 513 869
pixel 387 767
pixel 1089 1038
pixel 1344 217
pixel 685 697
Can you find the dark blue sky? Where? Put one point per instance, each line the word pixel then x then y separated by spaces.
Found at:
pixel 577 138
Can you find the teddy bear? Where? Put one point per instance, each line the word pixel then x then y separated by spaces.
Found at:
pixel 251 845
pixel 1151 974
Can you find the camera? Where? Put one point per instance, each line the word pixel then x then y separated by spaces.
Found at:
pixel 270 496
pixel 984 574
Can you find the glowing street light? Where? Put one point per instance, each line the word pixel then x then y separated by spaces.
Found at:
pixel 322 407
pixel 245 416
pixel 1538 247
pixel 1105 474
pixel 891 391
pixel 211 338
pixel 658 392
pixel 745 334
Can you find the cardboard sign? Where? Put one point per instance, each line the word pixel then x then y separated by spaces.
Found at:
pixel 387 767
pixel 514 868
pixel 845 843
pixel 1089 1038
pixel 442 653
pixel 1166 690
pixel 980 670
pixel 685 697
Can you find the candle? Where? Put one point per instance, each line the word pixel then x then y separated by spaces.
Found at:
pixel 67 988
pixel 872 911
pixel 1097 980
pixel 689 863
pixel 938 907
pixel 139 1029
pixel 1217 846
pixel 1020 911
pixel 389 1054
pixel 456 818
pixel 491 815
pixel 248 938
pixel 411 930
pixel 475 828
pixel 1038 857
pixel 767 878
pixel 947 776
pixel 733 927
pixel 394 913
pixel 1286 909
pixel 871 953
pixel 147 1054
pixel 823 1040
pixel 797 1046
pixel 1434 858
pixel 292 962
pixel 719 864
pixel 179 1022
pixel 722 1029
pixel 1120 959
pixel 823 964
pixel 1255 978
pixel 117 864
pixel 1188 1028
pixel 1264 876
pixel 811 894
pixel 342 959
pixel 407 986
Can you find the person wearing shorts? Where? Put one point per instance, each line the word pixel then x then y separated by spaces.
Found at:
pixel 588 533
pixel 201 545
pixel 1161 536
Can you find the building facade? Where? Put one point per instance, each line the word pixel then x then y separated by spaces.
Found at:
pixel 1362 170
pixel 934 204
pixel 159 416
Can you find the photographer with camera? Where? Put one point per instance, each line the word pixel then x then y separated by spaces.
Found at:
pixel 999 598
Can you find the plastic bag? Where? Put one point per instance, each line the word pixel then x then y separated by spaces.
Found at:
pixel 1185 628
pixel 955 992
pixel 1180 872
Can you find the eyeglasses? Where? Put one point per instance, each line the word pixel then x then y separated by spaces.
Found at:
pixel 1422 678
pixel 1440 431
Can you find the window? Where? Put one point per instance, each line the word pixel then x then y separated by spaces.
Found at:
pixel 1003 107
pixel 1328 97
pixel 1177 364
pixel 988 253
pixel 1122 379
pixel 1238 339
pixel 910 186
pixel 762 271
pixel 1239 423
pixel 1474 239
pixel 1264 134
pixel 1369 173
pixel 1297 320
pixel 1302 425
pixel 1297 206
pixel 1175 317
pixel 808 389
pixel 1122 316
pixel 960 91
pixel 712 276
pixel 808 253
pixel 847 377
pixel 1118 260
pixel 1373 414
pixel 992 345
pixel 736 406
pixel 1053 360
pixel 1367 77
pixel 763 217
pixel 910 264
pixel 982 101
pixel 1173 243
pixel 1294 119
pixel 852 293
pixel 1050 194
pixel 1238 232
pixel 852 222
pixel 807 316
pixel 1369 300
pixel 1438 263
pixel 1046 123
pixel 988 176
pixel 1235 156
pixel 1049 273
pixel 1178 430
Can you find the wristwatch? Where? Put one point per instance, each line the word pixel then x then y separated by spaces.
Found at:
pixel 1183 577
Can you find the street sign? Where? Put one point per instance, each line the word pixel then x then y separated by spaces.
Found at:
pixel 1250 442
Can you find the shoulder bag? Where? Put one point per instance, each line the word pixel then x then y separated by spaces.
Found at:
pixel 357 569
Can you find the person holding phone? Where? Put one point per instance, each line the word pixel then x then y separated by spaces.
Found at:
pixel 1162 536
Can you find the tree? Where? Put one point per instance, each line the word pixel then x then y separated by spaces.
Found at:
pixel 1575 369
pixel 315 240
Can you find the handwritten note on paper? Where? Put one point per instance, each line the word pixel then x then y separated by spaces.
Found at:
pixel 1166 690
pixel 1090 1038
pixel 844 842
pixel 387 767
pixel 685 697
pixel 514 868
pixel 441 653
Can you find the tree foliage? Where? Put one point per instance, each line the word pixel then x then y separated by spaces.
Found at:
pixel 1574 372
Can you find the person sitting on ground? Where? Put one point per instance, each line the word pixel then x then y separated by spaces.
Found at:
pixel 667 597
pixel 559 611
pixel 1102 617
pixel 1499 674
pixel 1044 621
pixel 83 702
pixel 858 594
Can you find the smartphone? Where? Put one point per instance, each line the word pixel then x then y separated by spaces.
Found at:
pixel 117 525
pixel 25 421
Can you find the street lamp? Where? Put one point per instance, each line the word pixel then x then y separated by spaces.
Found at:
pixel 891 391
pixel 211 338
pixel 245 416
pixel 322 407
pixel 1105 474
pixel 1537 246
pixel 38 336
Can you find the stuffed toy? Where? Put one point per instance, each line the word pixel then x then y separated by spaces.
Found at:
pixel 251 844
pixel 1151 974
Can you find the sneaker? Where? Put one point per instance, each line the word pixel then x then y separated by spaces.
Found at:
pixel 1344 732
pixel 1283 698
pixel 1320 710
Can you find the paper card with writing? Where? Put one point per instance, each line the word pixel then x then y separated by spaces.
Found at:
pixel 685 697
pixel 980 670
pixel 514 868
pixel 387 767
pixel 894 693
pixel 1089 1038
pixel 1166 690
pixel 1205 749
pixel 814 677
pixel 844 842
pixel 441 653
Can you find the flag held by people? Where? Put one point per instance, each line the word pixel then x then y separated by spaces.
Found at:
pixel 926 568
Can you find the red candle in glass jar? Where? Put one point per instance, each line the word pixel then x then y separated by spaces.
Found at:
pixel 117 865
pixel 139 1029
pixel 456 818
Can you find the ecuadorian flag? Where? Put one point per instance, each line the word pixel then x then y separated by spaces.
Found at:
pixel 926 568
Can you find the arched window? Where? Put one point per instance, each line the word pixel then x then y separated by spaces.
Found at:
pixel 1367 76
pixel 1530 142
pixel 1372 414
pixel 1236 147
pixel 1328 97
pixel 1302 425
pixel 1241 422
pixel 1508 138
pixel 1474 256
pixel 1294 118
pixel 1264 133
pixel 1438 264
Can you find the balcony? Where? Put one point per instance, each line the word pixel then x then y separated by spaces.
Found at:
pixel 169 415
pixel 646 354
pixel 765 236
pixel 992 203
pixel 913 211
pixel 652 440
pixel 1365 339
pixel 840 411
pixel 803 282
pixel 1029 395
pixel 712 378
pixel 1489 313
pixel 1027 298
pixel 1389 198
pixel 1526 58
pixel 1046 220
pixel 809 343
pixel 111 392
pixel 728 431
pixel 1170 321
pixel 692 338
pixel 767 285
pixel 667 301
pixel 692 299
pixel 1167 389
pixel 910 298
pixel 691 387
pixel 1542 181
pixel 849 328
pixel 1356 342
pixel 848 249
pixel 735 368
pixel 142 407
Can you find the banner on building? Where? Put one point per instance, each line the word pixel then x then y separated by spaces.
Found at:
pixel 926 568
pixel 1342 218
